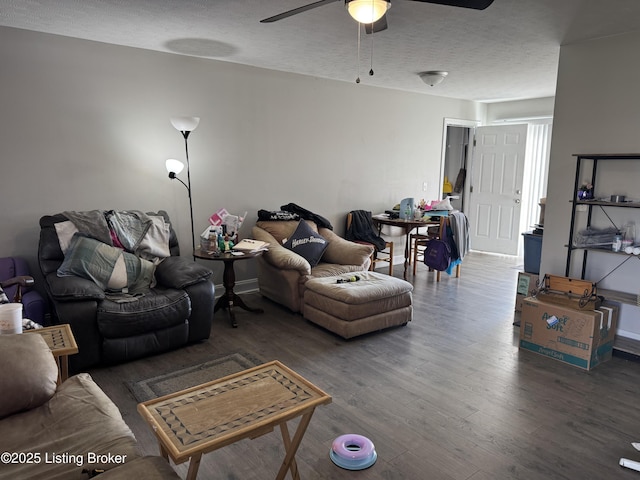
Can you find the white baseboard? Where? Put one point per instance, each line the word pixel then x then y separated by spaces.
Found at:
pixel 241 286
pixel 627 334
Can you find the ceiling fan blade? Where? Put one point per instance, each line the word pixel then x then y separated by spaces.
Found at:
pixel 296 11
pixel 475 4
pixel 377 26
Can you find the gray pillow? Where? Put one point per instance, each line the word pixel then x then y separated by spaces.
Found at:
pixel 28 375
pixel 307 243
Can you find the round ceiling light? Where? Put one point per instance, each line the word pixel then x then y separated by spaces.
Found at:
pixel 433 77
pixel 367 11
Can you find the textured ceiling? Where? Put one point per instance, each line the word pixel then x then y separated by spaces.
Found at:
pixel 508 51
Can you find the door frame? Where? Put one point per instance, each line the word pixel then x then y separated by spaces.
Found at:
pixel 456 122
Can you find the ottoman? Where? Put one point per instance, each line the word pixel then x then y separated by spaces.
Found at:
pixel 373 303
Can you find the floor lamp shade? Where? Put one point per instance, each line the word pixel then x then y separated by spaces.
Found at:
pixel 173 165
pixel 185 124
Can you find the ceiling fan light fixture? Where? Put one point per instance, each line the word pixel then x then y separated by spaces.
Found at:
pixel 433 77
pixel 367 11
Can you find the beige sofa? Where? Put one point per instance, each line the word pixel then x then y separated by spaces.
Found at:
pixel 282 274
pixel 56 432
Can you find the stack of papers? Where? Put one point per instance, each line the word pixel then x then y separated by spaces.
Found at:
pixel 250 245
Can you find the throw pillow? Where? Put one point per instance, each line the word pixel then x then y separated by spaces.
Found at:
pixel 65 230
pixel 307 243
pixel 29 373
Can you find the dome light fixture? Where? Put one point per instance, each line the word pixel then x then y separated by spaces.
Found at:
pixel 367 11
pixel 433 77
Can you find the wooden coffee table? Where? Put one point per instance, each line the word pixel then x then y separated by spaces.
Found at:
pixel 62 343
pixel 248 404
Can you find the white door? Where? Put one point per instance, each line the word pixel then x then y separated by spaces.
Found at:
pixel 496 188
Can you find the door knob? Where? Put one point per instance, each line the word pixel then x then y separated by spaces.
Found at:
pixel 517 200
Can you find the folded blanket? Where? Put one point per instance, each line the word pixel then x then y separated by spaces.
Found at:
pixel 319 220
pixel 130 226
pixel 92 223
pixel 108 267
pixel 266 215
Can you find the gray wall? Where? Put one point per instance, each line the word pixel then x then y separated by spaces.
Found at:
pixel 86 125
pixel 597 110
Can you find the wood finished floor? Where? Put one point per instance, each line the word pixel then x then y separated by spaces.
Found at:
pixel 448 397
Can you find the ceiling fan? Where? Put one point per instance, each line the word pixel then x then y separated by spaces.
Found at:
pixel 375 11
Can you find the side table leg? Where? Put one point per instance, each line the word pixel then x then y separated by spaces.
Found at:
pixel 406 254
pixel 64 367
pixel 229 281
pixel 293 447
pixel 194 465
pixel 163 452
pixel 293 467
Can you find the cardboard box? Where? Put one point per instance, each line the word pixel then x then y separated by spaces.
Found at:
pixel 582 338
pixel 526 283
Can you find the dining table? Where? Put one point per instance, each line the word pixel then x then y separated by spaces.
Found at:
pixel 408 226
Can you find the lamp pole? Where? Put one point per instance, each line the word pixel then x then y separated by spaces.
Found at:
pixel 185 125
pixel 185 134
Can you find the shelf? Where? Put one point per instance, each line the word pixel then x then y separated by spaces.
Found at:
pixel 608 156
pixel 604 249
pixel 623 257
pixel 602 203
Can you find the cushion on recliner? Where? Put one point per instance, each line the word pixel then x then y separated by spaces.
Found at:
pixel 280 230
pixel 307 243
pixel 29 373
pixel 115 350
pixel 159 309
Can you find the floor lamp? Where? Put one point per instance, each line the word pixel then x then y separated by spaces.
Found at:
pixel 184 125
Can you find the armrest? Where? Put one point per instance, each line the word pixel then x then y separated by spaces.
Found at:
pixel 345 252
pixel 178 272
pixel 279 256
pixel 22 281
pixel 72 288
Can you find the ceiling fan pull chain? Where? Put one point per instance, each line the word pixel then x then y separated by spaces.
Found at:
pixel 372 32
pixel 371 65
pixel 358 77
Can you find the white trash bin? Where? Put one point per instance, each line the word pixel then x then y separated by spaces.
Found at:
pixel 10 318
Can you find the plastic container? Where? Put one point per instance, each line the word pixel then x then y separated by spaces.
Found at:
pixel 629 235
pixel 532 252
pixel 616 246
pixel 10 318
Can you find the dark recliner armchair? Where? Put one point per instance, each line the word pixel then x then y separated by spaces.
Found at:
pixel 175 311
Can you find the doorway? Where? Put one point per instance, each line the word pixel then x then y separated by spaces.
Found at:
pixel 459 135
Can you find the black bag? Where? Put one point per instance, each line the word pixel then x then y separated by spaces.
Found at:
pixel 437 255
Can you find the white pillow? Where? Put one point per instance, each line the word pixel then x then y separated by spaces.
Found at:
pixel 65 231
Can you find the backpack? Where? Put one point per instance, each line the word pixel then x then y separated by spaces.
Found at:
pixel 437 255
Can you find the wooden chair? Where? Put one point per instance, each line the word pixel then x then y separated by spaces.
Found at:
pixel 418 241
pixel 420 244
pixel 387 253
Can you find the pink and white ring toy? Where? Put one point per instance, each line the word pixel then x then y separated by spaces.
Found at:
pixel 353 452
